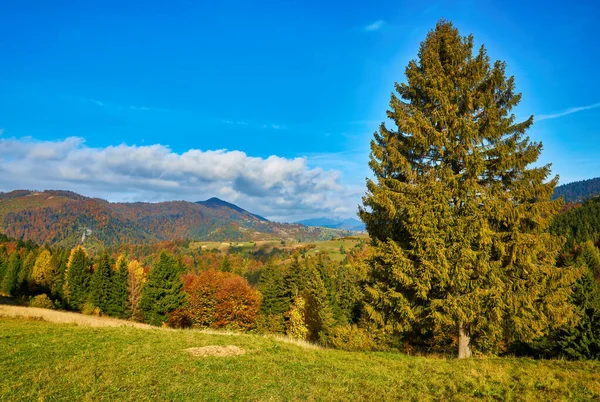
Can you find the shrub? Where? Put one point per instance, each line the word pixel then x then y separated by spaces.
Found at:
pixel 88 308
pixel 179 318
pixel 351 338
pixel 270 324
pixel 41 301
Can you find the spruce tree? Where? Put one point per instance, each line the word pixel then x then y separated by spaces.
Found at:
pixel 24 278
pixel 583 341
pixel 275 298
pixel 163 291
pixel 101 283
pixel 457 215
pixel 119 296
pixel 11 276
pixel 77 278
pixel 3 263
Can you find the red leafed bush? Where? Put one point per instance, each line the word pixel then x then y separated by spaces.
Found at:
pixel 221 300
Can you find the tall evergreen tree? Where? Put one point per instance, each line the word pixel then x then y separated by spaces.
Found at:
pixel 271 285
pixel 3 262
pixel 24 277
pixel 101 283
pixel 11 276
pixel 77 277
pixel 163 291
pixel 119 298
pixel 457 215
pixel 318 315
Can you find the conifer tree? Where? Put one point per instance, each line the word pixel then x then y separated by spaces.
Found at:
pixel 119 300
pixel 583 340
pixel 3 262
pixel 318 315
pixel 457 214
pixel 163 291
pixel 101 283
pixel 77 278
pixel 275 298
pixel 24 277
pixel 11 276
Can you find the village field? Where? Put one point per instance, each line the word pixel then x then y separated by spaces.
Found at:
pixel 48 355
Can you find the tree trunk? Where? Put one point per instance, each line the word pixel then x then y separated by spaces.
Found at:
pixel 464 342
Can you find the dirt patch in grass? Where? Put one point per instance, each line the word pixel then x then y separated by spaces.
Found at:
pixel 214 350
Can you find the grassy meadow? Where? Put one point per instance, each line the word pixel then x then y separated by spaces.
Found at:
pixel 334 248
pixel 44 360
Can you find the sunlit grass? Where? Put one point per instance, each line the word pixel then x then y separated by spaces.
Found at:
pixel 49 361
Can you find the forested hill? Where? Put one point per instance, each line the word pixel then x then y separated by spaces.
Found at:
pixel 579 224
pixel 579 190
pixel 66 218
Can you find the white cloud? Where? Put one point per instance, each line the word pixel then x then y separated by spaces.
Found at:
pixel 275 187
pixel 374 26
pixel 567 112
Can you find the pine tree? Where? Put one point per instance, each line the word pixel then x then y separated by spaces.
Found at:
pixel 11 276
pixel 77 277
pixel 163 291
pixel 457 216
pixel 101 283
pixel 119 299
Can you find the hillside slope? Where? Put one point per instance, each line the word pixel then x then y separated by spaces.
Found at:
pixel 66 218
pixel 579 190
pixel 346 224
pixel 153 364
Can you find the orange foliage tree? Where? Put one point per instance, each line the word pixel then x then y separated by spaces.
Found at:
pixel 221 300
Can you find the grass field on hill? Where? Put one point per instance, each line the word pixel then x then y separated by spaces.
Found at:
pixel 52 361
pixel 333 248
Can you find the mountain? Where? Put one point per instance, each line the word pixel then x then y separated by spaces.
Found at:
pixel 346 224
pixel 578 191
pixel 66 218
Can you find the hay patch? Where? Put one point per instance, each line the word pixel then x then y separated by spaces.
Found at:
pixel 214 350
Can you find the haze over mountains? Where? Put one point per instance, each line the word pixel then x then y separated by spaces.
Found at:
pixel 67 218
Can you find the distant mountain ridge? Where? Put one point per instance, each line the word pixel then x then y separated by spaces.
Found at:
pixel 66 218
pixel 578 191
pixel 345 224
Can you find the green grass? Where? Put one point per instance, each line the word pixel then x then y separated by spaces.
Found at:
pixel 329 247
pixel 48 361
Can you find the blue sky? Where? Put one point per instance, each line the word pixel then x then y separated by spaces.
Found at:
pixel 270 105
